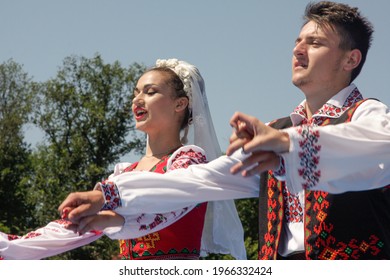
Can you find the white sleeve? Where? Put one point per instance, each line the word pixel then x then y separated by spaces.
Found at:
pixel 352 156
pixel 44 242
pixel 142 224
pixel 142 192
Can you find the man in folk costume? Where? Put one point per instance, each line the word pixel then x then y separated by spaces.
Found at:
pixel 328 55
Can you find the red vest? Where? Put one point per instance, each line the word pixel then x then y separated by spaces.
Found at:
pixel 181 240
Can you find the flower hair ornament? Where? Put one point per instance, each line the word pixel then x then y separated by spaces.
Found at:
pixel 222 232
pixel 181 69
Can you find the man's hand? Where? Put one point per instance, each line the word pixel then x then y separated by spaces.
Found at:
pixel 257 163
pixel 254 136
pixel 262 141
pixel 81 204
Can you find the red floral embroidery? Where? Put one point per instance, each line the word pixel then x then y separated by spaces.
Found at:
pixel 111 196
pixel 274 212
pixel 328 110
pixel 184 159
pixel 293 210
pixel 31 235
pixel 13 237
pixel 309 156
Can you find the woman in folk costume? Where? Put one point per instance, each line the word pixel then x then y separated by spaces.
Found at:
pixel 170 106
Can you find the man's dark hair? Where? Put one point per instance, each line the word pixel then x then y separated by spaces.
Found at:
pixel 355 30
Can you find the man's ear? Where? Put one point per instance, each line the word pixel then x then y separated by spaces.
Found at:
pixel 181 103
pixel 354 57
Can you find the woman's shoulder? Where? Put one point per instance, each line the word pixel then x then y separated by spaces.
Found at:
pixel 185 156
pixel 119 168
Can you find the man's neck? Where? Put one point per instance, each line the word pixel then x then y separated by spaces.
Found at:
pixel 315 100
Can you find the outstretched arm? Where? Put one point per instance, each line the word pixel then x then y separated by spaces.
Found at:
pixel 47 241
pixel 143 192
pixel 351 156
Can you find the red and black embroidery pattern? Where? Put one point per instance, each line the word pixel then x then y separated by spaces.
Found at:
pixel 328 110
pixel 331 235
pixel 159 219
pixel 309 156
pixel 273 209
pixel 111 196
pixel 184 159
pixel 293 210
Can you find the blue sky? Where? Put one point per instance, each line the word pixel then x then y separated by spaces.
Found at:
pixel 243 48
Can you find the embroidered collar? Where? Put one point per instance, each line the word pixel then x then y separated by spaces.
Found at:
pixel 333 108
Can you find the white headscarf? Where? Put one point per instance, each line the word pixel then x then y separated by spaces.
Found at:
pixel 222 232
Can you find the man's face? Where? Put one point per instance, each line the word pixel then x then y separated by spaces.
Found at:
pixel 317 62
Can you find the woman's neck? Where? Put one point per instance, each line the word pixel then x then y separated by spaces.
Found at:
pixel 162 145
pixel 156 149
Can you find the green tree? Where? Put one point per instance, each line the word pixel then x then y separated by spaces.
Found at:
pixel 85 113
pixel 248 213
pixel 16 91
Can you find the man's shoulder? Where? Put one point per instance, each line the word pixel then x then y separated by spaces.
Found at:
pixel 281 123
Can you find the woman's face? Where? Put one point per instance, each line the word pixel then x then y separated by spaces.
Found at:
pixel 154 103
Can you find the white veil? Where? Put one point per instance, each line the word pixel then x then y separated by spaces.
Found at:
pixel 222 232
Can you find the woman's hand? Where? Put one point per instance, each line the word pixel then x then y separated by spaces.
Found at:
pixel 81 204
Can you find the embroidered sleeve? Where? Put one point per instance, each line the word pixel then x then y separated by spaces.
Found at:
pixel 303 158
pixel 139 225
pixel 186 156
pixel 309 156
pixel 339 158
pixel 109 189
pixel 110 192
pixel 44 242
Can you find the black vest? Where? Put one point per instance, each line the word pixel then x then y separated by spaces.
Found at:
pixel 352 225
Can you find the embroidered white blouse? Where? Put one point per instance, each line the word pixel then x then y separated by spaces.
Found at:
pixel 348 157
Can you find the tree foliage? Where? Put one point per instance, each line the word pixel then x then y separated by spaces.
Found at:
pixel 16 92
pixel 85 113
pixel 248 213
